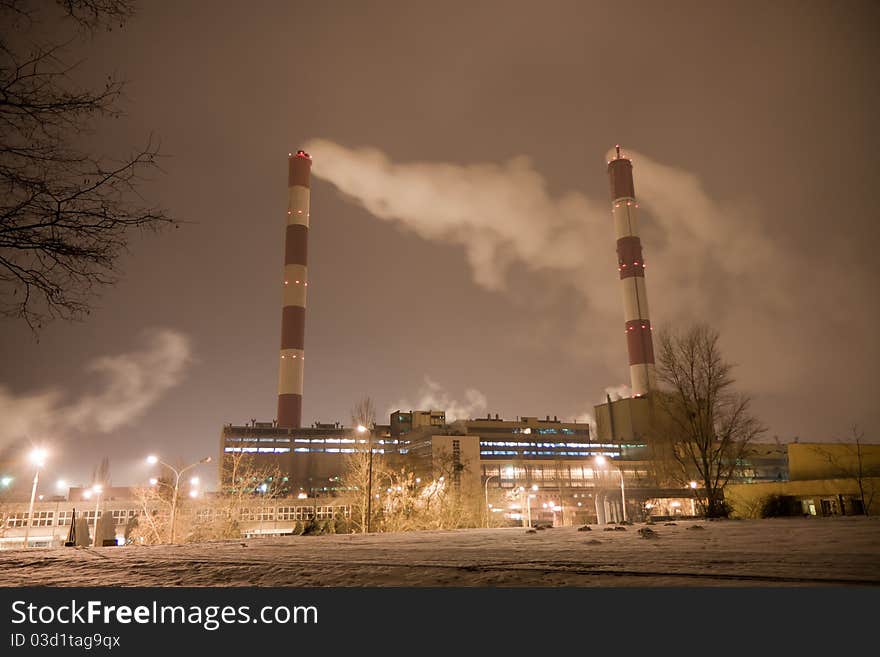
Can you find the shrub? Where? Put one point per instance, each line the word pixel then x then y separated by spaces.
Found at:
pixel 775 506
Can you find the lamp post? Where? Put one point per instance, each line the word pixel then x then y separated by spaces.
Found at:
pixel 362 429
pixel 38 458
pixel 693 486
pixel 487 498
pixel 152 460
pixel 601 460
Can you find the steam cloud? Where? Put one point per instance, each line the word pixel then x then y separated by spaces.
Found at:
pixel 432 396
pixel 707 260
pixel 131 383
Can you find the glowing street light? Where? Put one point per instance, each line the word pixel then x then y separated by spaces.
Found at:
pixel 153 460
pixel 194 481
pixel 38 458
pixel 5 481
pixel 153 481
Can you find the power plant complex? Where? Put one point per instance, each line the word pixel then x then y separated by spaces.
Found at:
pixel 556 457
pixel 547 465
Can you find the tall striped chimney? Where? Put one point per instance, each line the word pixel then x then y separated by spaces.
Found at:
pixel 631 265
pixel 293 295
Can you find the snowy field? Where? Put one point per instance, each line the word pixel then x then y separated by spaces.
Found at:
pixel 782 552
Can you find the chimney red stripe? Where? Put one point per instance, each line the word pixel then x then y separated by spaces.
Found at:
pixel 296 245
pixel 290 410
pixel 629 257
pixel 620 176
pixel 293 327
pixel 298 171
pixel 638 342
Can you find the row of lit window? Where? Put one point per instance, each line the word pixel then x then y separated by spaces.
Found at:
pixel 329 440
pixel 542 453
pixel 489 443
pixel 48 518
pixel 258 450
pixel 332 450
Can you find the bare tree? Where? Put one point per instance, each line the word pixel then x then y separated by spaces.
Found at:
pixel 246 480
pixel 357 480
pixel 850 461
pixel 707 424
pixel 65 213
pixel 363 413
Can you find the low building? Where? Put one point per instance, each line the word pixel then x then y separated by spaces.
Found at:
pixel 824 479
pixel 51 520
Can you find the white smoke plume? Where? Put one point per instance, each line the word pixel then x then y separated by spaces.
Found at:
pixel 432 396
pixel 130 383
pixel 622 391
pixel 706 260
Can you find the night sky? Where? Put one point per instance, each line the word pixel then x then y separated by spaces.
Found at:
pixel 461 243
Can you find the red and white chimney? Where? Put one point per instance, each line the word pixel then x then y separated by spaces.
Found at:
pixel 293 295
pixel 631 265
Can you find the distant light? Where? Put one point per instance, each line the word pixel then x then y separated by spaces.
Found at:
pixel 38 457
pixel 40 496
pixel 152 459
pixel 87 494
pixel 153 481
pixel 5 481
pixel 675 504
pixel 693 484
pixel 61 484
pixel 120 540
pixel 600 460
pixel 302 496
pixel 264 487
pixel 194 481
pixel 508 472
pixel 534 486
pixel 194 493
pixel 361 428
pixel 97 488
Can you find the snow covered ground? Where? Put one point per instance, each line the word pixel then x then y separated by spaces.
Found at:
pixel 780 552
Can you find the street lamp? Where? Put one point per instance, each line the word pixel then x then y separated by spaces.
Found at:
pixel 152 460
pixel 693 486
pixel 487 498
pixel 38 458
pixel 362 429
pixel 601 460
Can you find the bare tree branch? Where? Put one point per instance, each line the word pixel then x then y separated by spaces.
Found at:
pixel 66 215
